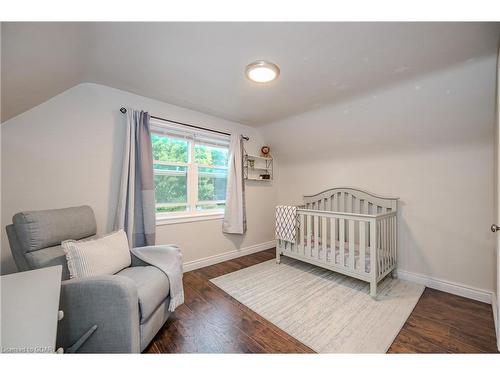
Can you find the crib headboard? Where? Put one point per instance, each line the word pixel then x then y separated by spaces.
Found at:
pixel 347 199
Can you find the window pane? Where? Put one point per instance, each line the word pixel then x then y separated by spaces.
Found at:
pixel 211 155
pixel 170 188
pixel 169 149
pixel 212 184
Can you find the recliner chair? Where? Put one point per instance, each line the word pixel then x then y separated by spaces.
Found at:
pixel 128 308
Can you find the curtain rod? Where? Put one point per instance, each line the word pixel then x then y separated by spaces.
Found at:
pixel 124 110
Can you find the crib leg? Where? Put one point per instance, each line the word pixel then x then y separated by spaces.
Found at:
pixel 278 253
pixel 373 289
pixel 394 274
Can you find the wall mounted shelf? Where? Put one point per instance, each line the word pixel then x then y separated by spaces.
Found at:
pixel 257 168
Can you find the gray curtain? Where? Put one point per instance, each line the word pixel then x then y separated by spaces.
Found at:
pixel 136 201
pixel 235 218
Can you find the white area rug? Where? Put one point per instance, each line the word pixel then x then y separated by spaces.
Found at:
pixel 328 312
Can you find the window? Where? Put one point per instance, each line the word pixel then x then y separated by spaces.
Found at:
pixel 190 171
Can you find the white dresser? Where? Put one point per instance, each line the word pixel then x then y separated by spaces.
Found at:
pixel 30 310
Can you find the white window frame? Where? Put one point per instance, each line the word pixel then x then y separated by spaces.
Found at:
pixel 192 214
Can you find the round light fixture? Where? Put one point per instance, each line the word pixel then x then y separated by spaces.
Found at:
pixel 262 71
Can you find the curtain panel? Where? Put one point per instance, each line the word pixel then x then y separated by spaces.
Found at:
pixel 136 201
pixel 235 220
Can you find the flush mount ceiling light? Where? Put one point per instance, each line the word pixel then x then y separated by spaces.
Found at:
pixel 262 71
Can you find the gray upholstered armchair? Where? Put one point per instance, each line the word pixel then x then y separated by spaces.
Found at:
pixel 128 308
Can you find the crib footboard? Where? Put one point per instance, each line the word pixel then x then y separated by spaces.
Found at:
pixel 356 245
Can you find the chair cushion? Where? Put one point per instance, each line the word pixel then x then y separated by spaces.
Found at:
pixel 50 256
pixel 39 229
pixel 152 288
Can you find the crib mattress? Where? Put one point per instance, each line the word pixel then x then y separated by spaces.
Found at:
pixel 337 260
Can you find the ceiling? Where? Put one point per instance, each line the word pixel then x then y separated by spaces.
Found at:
pixel 201 65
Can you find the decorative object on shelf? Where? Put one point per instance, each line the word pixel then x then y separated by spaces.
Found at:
pixel 258 168
pixel 265 150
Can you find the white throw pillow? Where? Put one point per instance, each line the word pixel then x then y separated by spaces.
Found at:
pixel 103 256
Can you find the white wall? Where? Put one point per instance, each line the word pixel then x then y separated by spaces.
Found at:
pixel 67 151
pixel 430 142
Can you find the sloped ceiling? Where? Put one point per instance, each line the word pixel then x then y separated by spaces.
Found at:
pixel 201 65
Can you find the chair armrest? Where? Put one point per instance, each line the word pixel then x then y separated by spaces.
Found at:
pixel 139 262
pixel 111 303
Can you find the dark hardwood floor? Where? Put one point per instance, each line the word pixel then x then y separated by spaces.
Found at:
pixel 211 321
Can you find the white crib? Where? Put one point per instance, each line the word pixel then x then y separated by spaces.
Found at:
pixel 343 230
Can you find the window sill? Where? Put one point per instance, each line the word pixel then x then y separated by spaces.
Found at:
pixel 177 219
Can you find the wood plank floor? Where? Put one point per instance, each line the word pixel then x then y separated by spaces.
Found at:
pixel 211 321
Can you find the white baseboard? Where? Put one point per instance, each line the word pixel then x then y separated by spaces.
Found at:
pixel 447 286
pixel 208 261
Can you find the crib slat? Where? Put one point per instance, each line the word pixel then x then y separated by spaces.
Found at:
pixel 342 241
pixel 385 244
pixel 362 244
pixel 302 230
pixel 307 252
pixel 388 241
pixel 351 244
pixel 333 239
pixel 379 248
pixel 324 238
pixel 391 245
pixel 315 249
pixel 384 248
pixel 384 223
pixel 373 247
pixel 393 238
